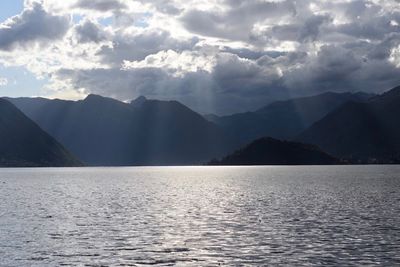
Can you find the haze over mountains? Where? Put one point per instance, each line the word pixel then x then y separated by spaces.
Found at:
pixel 284 119
pixel 103 131
pixel 23 143
pixel 366 132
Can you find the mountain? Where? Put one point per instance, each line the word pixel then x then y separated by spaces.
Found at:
pixel 269 151
pixel 104 131
pixel 24 144
pixel 366 132
pixel 283 119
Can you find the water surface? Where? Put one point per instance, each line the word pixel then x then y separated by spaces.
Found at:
pixel 201 216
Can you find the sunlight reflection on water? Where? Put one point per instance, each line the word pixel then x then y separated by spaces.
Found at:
pixel 201 216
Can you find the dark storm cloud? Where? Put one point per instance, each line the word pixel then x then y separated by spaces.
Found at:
pixel 88 31
pixel 238 21
pixel 308 30
pixel 32 25
pixel 383 49
pixel 235 84
pixel 374 29
pixel 332 64
pixel 339 68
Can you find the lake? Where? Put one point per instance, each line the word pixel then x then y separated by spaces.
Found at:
pixel 201 216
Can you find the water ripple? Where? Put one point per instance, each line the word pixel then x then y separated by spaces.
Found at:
pixel 201 216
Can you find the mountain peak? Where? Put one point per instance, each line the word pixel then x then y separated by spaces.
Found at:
pixel 139 101
pixel 93 97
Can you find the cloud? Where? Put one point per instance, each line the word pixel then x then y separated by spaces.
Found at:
pixel 219 56
pixel 3 81
pixel 101 5
pixel 209 80
pixel 176 64
pixel 89 31
pixel 237 21
pixel 219 82
pixel 132 47
pixel 33 25
pixel 353 67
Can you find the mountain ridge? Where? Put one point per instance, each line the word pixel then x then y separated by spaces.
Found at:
pixel 283 119
pixel 361 132
pixel 105 131
pixel 24 144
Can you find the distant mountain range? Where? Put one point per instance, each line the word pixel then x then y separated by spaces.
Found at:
pixel 366 132
pixel 104 131
pixel 24 144
pixel 269 151
pixel 283 119
pixel 100 131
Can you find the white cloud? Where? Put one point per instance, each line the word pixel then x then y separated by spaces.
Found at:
pixel 177 64
pixel 101 5
pixel 395 56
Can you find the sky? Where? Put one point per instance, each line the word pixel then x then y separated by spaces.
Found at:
pixel 216 56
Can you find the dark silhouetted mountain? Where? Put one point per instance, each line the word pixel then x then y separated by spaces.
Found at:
pixel 283 119
pixel 369 131
pixel 24 144
pixel 104 131
pixel 269 151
